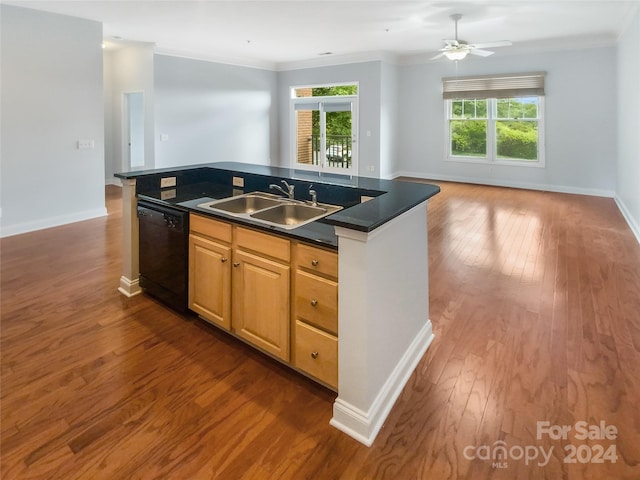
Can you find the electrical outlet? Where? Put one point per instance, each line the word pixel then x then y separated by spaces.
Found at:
pixel 167 182
pixel 168 194
pixel 86 144
pixel 238 182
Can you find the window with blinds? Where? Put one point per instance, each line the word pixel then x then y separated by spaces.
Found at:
pixel 495 118
pixel 494 86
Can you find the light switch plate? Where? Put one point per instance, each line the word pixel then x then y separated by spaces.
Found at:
pixel 86 144
pixel 167 182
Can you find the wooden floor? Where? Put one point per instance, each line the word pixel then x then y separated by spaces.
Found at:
pixel 535 303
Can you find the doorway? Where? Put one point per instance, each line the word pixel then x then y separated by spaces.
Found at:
pixel 133 135
pixel 324 128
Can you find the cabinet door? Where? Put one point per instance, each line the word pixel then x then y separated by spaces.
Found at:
pixel 261 303
pixel 210 280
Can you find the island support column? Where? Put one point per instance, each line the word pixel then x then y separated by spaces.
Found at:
pixel 383 325
pixel 129 281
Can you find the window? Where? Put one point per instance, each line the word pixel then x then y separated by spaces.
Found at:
pixel 324 126
pixel 495 119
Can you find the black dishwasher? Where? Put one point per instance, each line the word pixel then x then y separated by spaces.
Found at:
pixel 163 253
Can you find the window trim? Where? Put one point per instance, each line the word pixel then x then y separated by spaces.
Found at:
pixel 491 157
pixel 353 99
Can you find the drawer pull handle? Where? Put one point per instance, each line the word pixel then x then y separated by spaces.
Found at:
pixel 314 355
pixel 223 259
pixel 314 302
pixel 236 264
pixel 314 263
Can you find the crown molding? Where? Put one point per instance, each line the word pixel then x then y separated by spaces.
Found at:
pixel 527 48
pixel 227 60
pixel 554 45
pixel 332 60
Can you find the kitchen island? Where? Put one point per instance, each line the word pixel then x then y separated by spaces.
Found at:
pixel 380 236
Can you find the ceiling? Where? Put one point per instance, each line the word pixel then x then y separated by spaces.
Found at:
pixel 285 34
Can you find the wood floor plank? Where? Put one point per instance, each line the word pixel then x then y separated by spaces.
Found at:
pixel 534 300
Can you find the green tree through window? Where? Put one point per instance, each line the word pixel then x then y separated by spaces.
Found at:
pixel 513 123
pixel 338 123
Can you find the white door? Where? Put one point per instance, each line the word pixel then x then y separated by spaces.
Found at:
pixel 324 134
pixel 133 137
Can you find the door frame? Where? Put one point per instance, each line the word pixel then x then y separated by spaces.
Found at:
pixel 353 99
pixel 125 131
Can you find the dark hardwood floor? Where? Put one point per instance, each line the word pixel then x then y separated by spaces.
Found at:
pixel 535 303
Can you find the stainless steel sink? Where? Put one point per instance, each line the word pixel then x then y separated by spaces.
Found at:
pixel 290 214
pixel 271 209
pixel 245 203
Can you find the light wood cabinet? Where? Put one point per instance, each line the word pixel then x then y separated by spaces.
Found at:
pixel 315 313
pixel 316 301
pixel 316 353
pixel 261 285
pixel 278 295
pixel 210 270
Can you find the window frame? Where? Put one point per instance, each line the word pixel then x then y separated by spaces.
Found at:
pixel 491 157
pixel 324 167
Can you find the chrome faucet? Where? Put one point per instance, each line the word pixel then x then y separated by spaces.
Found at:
pixel 288 192
pixel 314 196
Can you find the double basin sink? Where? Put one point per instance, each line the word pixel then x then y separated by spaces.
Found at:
pixel 271 209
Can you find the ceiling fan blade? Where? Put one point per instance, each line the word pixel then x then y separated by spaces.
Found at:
pixel 480 53
pixel 437 56
pixel 501 43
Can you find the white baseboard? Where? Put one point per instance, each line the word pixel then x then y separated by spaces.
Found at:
pixel 128 287
pixel 113 181
pixel 626 213
pixel 364 426
pixel 18 228
pixel 596 192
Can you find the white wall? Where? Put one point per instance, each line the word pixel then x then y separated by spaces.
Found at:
pixel 127 69
pixel 580 105
pixel 368 75
pixel 210 112
pixel 389 120
pixel 628 194
pixel 52 96
pixel 109 153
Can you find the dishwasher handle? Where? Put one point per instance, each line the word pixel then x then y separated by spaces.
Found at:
pixel 171 221
pixel 174 219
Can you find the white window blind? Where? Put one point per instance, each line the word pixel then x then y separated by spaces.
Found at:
pixel 494 86
pixel 337 107
pixel 307 106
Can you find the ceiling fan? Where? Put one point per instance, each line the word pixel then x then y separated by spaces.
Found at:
pixel 459 49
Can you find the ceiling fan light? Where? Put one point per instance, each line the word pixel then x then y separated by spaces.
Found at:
pixel 456 54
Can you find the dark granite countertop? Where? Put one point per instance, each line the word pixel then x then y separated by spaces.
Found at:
pixel 197 184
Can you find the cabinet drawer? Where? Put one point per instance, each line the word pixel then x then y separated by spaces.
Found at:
pixel 317 260
pixel 270 245
pixel 210 227
pixel 316 301
pixel 316 353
